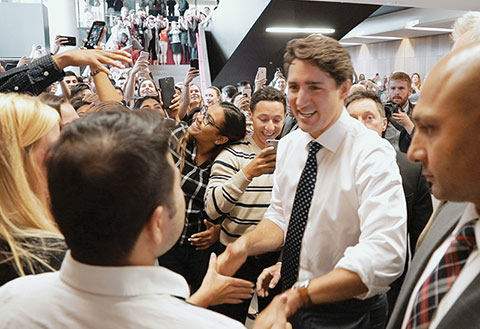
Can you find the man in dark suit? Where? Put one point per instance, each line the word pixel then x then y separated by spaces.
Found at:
pixel 366 107
pixel 446 142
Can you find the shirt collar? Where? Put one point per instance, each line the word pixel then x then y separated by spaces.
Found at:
pixel 122 280
pixel 332 138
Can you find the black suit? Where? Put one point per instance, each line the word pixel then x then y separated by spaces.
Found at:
pixel 419 210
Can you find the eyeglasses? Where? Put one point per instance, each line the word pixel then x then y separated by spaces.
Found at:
pixel 207 120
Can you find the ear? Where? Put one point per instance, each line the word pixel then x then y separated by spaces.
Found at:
pixel 155 227
pixel 384 124
pixel 221 140
pixel 345 88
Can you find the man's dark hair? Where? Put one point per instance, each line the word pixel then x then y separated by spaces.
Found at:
pixel 107 174
pixel 363 94
pixel 139 101
pixel 79 87
pixel 325 53
pixel 229 90
pixel 267 94
pixel 71 73
pixel 243 83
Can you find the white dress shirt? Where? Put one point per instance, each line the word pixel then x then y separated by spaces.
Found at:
pixel 357 219
pixel 85 296
pixel 466 276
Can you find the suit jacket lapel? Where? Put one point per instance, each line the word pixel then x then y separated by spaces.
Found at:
pixel 444 223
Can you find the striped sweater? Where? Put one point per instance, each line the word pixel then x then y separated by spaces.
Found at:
pixel 231 196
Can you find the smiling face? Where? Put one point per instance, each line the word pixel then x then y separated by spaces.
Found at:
pixel 147 88
pixel 267 121
pixel 314 97
pixel 195 95
pixel 447 118
pixel 208 133
pixel 211 97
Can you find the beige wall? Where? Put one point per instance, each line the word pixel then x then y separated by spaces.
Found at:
pixel 407 55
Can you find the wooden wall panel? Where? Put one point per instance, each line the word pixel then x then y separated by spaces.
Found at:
pixel 407 55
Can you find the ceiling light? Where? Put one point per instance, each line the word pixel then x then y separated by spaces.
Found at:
pixel 299 30
pixel 347 44
pixel 377 37
pixel 432 29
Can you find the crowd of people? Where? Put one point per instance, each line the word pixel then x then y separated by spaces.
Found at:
pixel 151 30
pixel 310 190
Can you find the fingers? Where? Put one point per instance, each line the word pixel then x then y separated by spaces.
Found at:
pixel 274 281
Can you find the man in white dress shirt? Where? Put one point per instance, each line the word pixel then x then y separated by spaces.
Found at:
pixel 116 197
pixel 353 245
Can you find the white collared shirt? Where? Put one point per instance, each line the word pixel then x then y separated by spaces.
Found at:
pixel 357 219
pixel 85 296
pixel 466 276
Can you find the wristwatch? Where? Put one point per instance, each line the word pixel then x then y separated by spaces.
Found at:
pixel 302 288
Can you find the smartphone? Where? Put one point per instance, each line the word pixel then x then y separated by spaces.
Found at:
pixel 274 143
pixel 94 34
pixel 167 87
pixel 194 63
pixel 71 41
pixel 144 55
pixel 262 73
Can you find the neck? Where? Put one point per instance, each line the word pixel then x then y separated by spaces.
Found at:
pixel 258 141
pixel 204 152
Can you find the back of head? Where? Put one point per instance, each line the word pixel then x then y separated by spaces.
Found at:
pixel 267 94
pixel 106 175
pixel 323 52
pixel 24 120
pixel 470 22
pixel 229 91
pixel 401 76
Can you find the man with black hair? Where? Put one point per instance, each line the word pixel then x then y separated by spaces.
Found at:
pixel 240 187
pixel 116 197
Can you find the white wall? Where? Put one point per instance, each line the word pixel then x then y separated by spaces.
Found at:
pixel 407 55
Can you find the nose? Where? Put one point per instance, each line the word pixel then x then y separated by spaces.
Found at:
pixel 416 151
pixel 303 98
pixel 270 126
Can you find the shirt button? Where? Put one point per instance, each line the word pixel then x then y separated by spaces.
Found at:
pixel 46 73
pixel 15 88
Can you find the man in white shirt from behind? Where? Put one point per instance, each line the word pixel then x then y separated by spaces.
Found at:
pixel 116 197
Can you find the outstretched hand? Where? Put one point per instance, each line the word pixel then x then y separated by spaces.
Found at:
pixel 96 58
pixel 219 289
pixel 268 279
pixel 203 240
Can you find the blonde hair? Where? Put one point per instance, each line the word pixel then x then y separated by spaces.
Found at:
pixel 24 213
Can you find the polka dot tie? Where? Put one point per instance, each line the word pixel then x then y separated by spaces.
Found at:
pixel 299 217
pixel 442 278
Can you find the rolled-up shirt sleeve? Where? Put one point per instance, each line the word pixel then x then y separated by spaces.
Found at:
pixel 378 257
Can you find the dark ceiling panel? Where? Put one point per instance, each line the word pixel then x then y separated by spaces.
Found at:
pixel 260 48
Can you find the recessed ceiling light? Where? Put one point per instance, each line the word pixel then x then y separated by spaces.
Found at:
pixel 432 29
pixel 378 37
pixel 299 30
pixel 347 44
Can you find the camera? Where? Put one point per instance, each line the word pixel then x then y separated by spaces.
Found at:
pixel 390 107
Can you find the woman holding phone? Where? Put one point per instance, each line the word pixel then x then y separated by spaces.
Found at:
pixel 193 149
